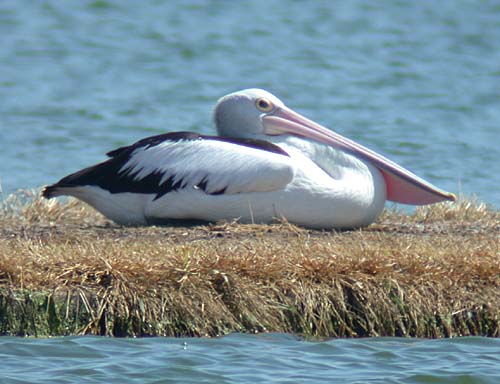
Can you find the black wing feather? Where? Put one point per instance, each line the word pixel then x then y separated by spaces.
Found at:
pixel 107 174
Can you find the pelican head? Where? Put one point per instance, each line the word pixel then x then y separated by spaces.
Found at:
pixel 240 114
pixel 255 113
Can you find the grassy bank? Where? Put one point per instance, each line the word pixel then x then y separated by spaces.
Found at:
pixel 65 270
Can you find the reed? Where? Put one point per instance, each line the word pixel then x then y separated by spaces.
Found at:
pixel 66 270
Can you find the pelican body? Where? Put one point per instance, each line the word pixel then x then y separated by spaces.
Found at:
pixel 266 163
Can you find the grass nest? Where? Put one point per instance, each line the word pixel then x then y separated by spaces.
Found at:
pixel 65 270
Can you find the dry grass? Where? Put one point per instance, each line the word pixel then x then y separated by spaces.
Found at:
pixel 64 269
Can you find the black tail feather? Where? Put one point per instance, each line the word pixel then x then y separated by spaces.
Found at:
pixel 51 191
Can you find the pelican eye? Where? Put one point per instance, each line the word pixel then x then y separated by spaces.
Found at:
pixel 264 105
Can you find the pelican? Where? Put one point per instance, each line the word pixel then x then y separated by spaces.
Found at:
pixel 267 162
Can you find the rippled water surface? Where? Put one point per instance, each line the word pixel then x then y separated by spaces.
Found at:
pixel 418 81
pixel 268 358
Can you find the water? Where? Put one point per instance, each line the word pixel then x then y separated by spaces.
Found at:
pixel 418 81
pixel 269 358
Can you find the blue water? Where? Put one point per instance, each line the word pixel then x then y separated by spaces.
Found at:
pixel 268 358
pixel 418 81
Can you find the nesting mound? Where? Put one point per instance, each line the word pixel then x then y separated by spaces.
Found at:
pixel 64 269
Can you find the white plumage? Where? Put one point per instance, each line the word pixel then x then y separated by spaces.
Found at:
pixel 253 170
pixel 268 163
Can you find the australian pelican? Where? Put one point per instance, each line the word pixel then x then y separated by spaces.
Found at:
pixel 267 162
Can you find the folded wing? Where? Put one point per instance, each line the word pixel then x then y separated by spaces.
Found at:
pixel 176 161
